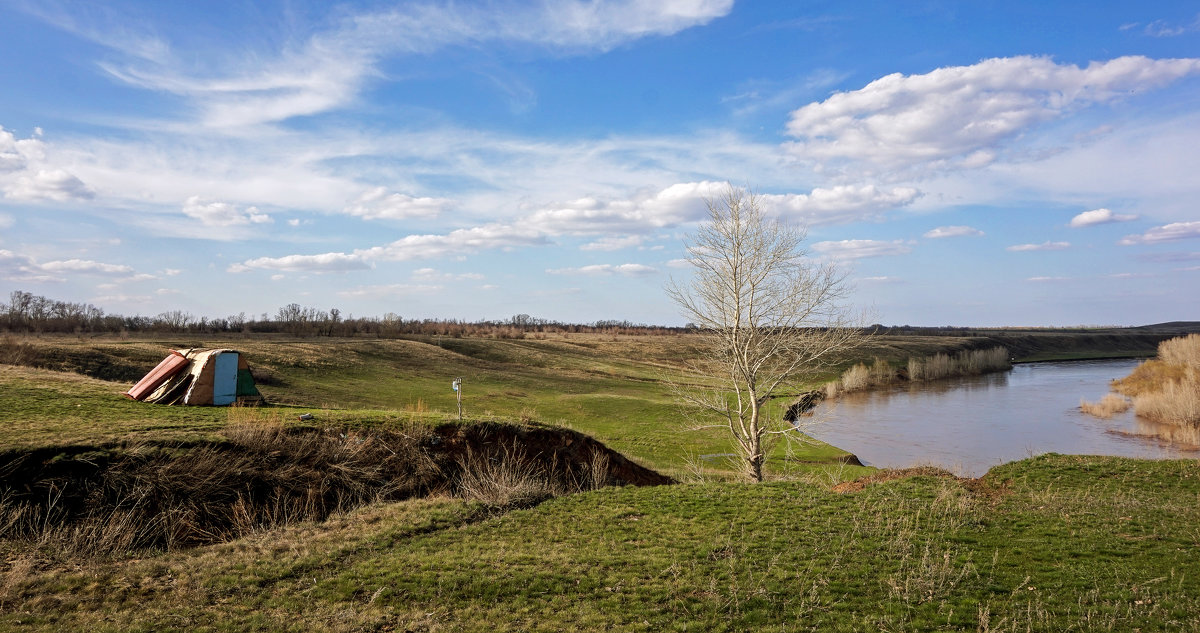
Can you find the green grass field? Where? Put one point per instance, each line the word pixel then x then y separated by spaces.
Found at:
pixel 1054 543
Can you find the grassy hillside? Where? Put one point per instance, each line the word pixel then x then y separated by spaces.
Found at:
pixel 1056 543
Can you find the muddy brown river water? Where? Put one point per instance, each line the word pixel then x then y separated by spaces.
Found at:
pixel 968 425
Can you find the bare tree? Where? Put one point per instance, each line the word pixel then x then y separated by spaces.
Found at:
pixel 769 316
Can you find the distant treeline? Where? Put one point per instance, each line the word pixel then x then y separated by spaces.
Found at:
pixel 29 313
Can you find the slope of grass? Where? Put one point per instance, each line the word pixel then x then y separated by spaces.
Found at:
pixel 1056 543
pixel 606 386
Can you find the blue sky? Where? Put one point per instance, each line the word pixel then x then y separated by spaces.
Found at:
pixel 981 163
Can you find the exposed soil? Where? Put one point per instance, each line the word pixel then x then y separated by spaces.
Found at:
pixel 986 487
pixel 165 495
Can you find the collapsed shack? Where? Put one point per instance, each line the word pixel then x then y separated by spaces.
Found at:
pixel 217 377
pixel 149 495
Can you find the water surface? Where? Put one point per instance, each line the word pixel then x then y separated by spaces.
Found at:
pixel 968 425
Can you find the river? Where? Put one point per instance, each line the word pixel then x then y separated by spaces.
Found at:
pixel 968 425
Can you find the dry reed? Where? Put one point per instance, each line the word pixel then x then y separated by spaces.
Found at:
pixel 1111 404
pixel 1166 390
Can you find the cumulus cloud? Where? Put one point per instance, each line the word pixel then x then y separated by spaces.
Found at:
pixel 1044 246
pixel 1099 216
pixel 626 270
pixel 857 249
pixel 27 174
pixel 376 203
pixel 952 231
pixel 965 113
pixel 843 203
pixel 1167 233
pixel 222 213
pixel 324 263
pixel 48 184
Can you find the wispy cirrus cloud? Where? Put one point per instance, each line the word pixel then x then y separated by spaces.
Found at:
pixel 330 68
pixel 1044 246
pixel 952 231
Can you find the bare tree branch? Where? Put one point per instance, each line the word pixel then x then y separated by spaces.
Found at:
pixel 768 316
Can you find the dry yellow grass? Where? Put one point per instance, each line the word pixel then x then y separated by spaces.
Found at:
pixel 1184 351
pixel 1166 390
pixel 1177 402
pixel 1108 406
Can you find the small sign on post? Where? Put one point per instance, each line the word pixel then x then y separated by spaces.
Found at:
pixel 457 385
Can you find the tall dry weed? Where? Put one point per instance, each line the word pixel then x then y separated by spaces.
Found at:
pixel 1111 404
pixel 964 363
pixel 1166 390
pixel 1182 350
pixel 506 478
pixel 1176 402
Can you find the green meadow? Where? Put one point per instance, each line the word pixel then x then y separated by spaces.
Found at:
pixel 1052 543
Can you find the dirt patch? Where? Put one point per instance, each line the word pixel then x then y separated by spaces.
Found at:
pixel 985 487
pixel 125 497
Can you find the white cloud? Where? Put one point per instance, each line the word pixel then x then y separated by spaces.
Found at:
pixel 324 263
pixel 952 231
pixel 15 267
pixel 432 275
pixel 614 243
pixel 1099 216
pixel 965 113
pixel 27 174
pixel 48 184
pixel 842 203
pixel 676 204
pixel 1163 28
pixel 86 267
pixel 1166 233
pixel 1044 246
pixel 460 241
pixel 856 249
pixel 376 203
pixel 222 213
pixel 1047 279
pixel 626 270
